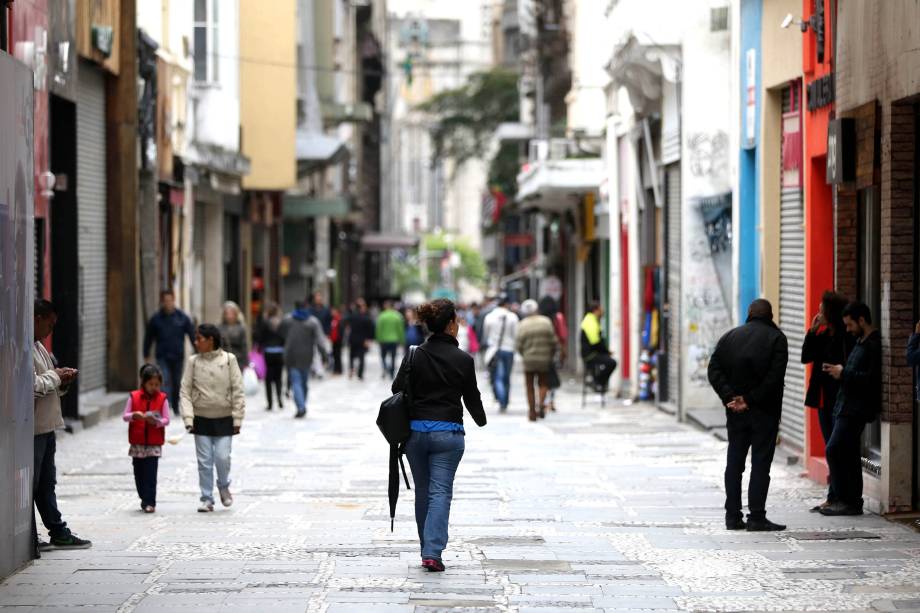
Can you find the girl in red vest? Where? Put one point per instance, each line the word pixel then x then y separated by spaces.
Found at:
pixel 147 414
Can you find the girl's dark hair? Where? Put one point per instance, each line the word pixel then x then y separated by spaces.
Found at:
pixel 834 304
pixel 437 314
pixel 212 332
pixel 148 372
pixel 548 306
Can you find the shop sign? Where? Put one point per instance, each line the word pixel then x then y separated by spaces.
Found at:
pixel 841 151
pixel 821 92
pixel 750 115
pixel 103 39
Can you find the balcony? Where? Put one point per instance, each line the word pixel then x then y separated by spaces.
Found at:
pixel 557 175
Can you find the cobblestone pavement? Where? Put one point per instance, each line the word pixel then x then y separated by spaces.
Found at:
pixel 592 509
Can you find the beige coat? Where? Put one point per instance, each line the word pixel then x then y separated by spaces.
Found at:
pixel 537 343
pixel 212 387
pixel 46 391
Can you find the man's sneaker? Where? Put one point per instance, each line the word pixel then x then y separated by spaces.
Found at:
pixel 206 507
pixel 763 525
pixel 226 498
pixel 71 541
pixel 434 566
pixel 150 509
pixel 44 546
pixel 841 508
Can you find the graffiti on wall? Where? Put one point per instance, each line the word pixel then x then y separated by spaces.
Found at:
pixel 708 154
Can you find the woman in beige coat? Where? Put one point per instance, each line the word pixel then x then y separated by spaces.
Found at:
pixel 213 406
pixel 537 343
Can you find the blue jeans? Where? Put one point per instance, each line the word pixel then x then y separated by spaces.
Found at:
pixel 213 452
pixel 388 358
pixel 43 486
pixel 844 459
pixel 300 379
pixel 501 377
pixel 172 379
pixel 434 457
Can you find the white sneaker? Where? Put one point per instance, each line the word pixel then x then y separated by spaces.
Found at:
pixel 206 507
pixel 226 498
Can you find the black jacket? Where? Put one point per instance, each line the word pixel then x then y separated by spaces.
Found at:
pixel 441 374
pixel 860 393
pixel 360 329
pixel 269 334
pixel 168 331
pixel 750 361
pixel 824 348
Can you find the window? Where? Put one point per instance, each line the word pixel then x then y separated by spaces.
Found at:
pixel 718 19
pixel 870 289
pixel 206 40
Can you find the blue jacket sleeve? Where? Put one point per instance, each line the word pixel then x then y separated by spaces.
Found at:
pixel 913 350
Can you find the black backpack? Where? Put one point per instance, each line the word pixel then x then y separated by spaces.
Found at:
pixel 393 421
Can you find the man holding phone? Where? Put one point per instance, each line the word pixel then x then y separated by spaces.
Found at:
pixel 49 385
pixel 858 403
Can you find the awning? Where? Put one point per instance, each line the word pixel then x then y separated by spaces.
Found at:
pixel 301 207
pixel 556 185
pixel 318 147
pixel 385 242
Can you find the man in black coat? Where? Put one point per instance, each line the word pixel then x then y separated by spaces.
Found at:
pixel 858 403
pixel 747 370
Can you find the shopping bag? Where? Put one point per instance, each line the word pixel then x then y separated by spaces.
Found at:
pixel 257 362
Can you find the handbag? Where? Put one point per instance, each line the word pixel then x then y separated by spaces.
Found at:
pixel 493 359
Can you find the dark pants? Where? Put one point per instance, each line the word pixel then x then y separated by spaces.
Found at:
pixel 172 380
pixel 337 358
pixel 356 354
pixel 535 379
pixel 602 367
pixel 145 479
pixel 826 421
pixel 844 458
pixel 754 430
pixel 274 370
pixel 388 358
pixel 43 486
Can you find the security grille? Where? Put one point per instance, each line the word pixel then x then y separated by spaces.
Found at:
pixel 673 202
pixel 91 213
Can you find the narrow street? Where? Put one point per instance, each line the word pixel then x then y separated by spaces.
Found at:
pixel 593 509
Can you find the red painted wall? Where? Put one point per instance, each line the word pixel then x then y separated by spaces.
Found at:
pixel 819 209
pixel 29 19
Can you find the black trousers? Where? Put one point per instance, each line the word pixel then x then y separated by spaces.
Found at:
pixel 145 478
pixel 826 421
pixel 274 370
pixel 755 431
pixel 844 458
pixel 356 354
pixel 337 357
pixel 43 486
pixel 602 368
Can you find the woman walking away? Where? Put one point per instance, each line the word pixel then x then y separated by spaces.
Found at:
pixel 271 341
pixel 537 343
pixel 234 333
pixel 826 342
pixel 147 414
pixel 549 308
pixel 213 406
pixel 441 375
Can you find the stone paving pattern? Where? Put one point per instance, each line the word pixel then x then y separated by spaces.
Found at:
pixel 615 509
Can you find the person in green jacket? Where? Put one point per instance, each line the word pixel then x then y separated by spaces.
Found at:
pixel 391 333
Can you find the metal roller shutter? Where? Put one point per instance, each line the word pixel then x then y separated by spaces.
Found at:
pixel 792 312
pixel 91 213
pixel 673 203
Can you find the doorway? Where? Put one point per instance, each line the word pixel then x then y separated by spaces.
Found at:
pixel 65 273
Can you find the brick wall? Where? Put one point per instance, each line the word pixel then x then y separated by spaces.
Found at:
pixel 847 243
pixel 897 261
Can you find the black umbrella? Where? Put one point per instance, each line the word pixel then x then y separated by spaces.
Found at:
pixel 396 463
